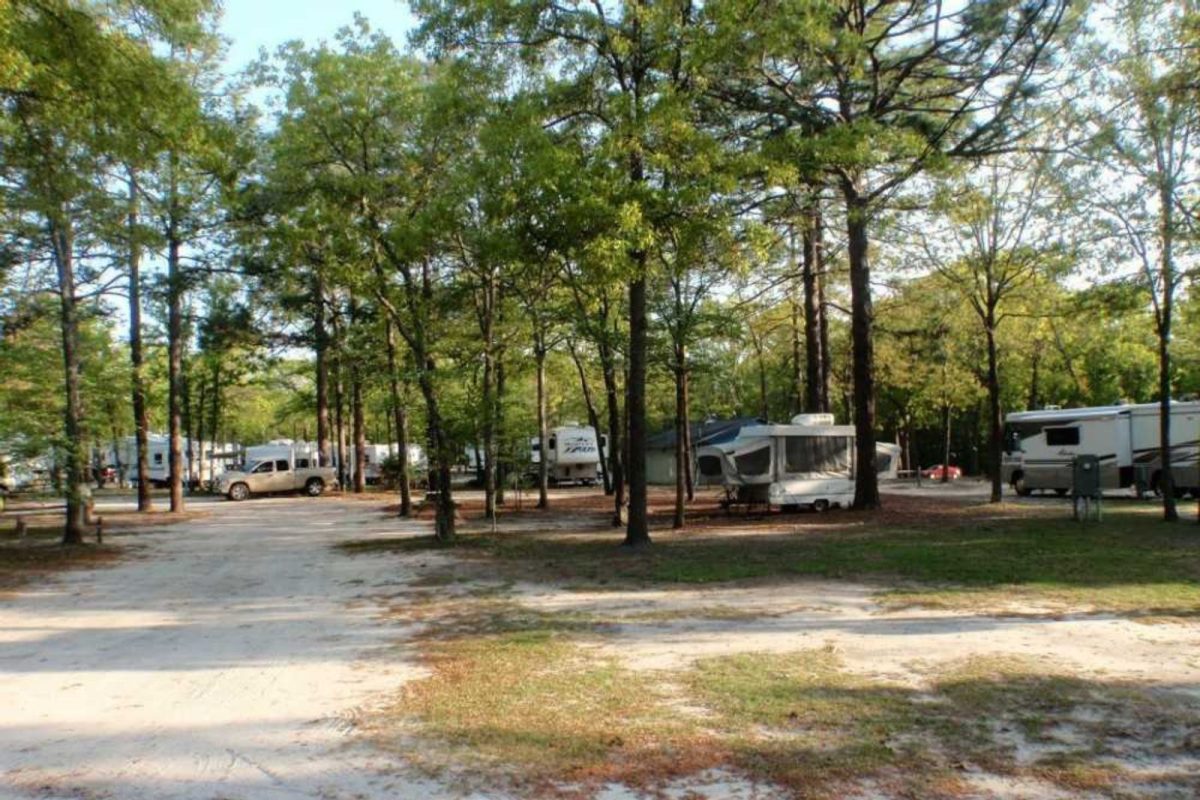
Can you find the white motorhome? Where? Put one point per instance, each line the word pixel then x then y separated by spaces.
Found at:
pixel 1040 446
pixel 809 462
pixel 572 454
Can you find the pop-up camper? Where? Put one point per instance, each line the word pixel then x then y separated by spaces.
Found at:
pixel 809 462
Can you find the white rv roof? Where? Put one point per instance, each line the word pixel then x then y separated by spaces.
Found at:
pixel 760 431
pixel 1097 412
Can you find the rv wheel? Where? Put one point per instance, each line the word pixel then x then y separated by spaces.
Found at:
pixel 1019 486
pixel 1061 492
pixel 820 505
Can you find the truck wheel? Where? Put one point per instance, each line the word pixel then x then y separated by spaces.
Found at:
pixel 314 487
pixel 239 492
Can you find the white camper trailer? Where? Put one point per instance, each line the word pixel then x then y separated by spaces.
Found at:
pixel 809 462
pixel 572 454
pixel 1040 447
pixel 208 460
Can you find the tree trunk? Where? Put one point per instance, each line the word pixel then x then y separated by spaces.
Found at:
pixel 175 290
pixel 946 439
pixel 141 417
pixel 594 421
pixel 689 477
pixel 1166 480
pixel 321 345
pixel 637 532
pixel 215 419
pixel 616 438
pixel 995 420
pixel 816 382
pixel 360 430
pixel 866 480
pixel 444 459
pixel 76 489
pixel 498 427
pixel 539 357
pixel 198 414
pixel 401 423
pixel 681 429
pixel 795 291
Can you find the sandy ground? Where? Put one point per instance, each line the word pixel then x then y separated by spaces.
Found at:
pixel 686 624
pixel 231 658
pixel 229 661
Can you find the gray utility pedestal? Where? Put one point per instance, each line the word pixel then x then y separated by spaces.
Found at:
pixel 1085 487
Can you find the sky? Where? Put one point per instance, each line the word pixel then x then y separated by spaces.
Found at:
pixel 254 24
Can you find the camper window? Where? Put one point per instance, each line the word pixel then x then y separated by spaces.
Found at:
pixel 1062 437
pixel 805 454
pixel 281 465
pixel 710 466
pixel 552 443
pixel 756 462
pixel 158 458
pixel 266 466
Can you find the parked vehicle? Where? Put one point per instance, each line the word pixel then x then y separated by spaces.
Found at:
pixel 1040 446
pixel 940 471
pixel 277 469
pixel 573 454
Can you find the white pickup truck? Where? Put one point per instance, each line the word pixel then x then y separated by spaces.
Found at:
pixel 276 475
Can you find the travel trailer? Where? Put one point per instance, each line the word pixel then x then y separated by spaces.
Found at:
pixel 1040 447
pixel 376 454
pixel 572 454
pixel 209 459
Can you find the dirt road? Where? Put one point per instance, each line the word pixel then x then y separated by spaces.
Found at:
pixel 229 661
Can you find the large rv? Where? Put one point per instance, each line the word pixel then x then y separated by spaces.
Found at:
pixel 1040 446
pixel 572 454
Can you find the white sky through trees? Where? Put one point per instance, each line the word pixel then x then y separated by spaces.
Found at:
pixel 250 25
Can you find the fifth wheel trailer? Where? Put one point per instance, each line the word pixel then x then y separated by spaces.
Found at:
pixel 1040 447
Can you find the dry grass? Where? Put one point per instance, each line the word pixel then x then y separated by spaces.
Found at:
pixel 520 697
pixel 21 564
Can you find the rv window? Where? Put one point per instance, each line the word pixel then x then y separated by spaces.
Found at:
pixel 537 446
pixel 1012 440
pixel 158 458
pixel 552 442
pixel 710 466
pixel 883 462
pixel 604 441
pixel 804 454
pixel 1062 437
pixel 281 465
pixel 266 466
pixel 757 462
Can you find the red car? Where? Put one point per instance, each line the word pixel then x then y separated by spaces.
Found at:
pixel 937 472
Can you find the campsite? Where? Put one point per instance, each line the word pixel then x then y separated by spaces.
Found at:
pixel 599 399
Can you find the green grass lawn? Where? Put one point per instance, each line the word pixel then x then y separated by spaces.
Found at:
pixel 979 558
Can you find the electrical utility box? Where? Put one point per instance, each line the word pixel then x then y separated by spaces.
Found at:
pixel 1086 476
pixel 1085 486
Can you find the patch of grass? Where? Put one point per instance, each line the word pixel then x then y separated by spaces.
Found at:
pixel 534 705
pixel 984 558
pixel 20 564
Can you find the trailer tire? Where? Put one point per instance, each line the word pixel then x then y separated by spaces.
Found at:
pixel 820 506
pixel 239 492
pixel 1018 485
pixel 314 487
